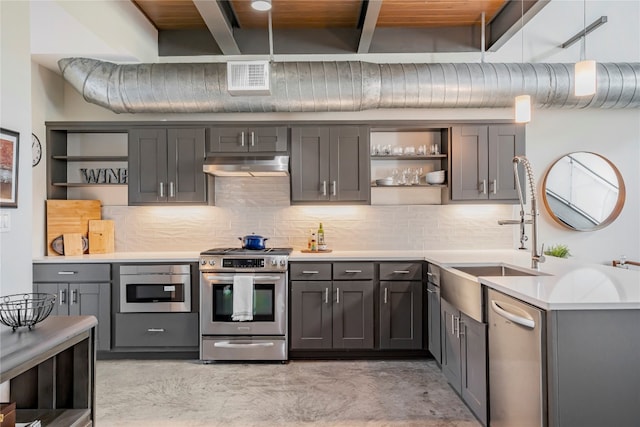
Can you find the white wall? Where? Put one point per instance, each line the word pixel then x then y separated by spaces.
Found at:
pixel 15 114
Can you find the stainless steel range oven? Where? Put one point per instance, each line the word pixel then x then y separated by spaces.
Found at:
pixel 264 336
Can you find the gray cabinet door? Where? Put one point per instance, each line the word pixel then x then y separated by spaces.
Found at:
pixel 433 310
pixel 93 299
pixel 147 166
pixel 186 180
pixel 311 314
pixel 474 365
pixel 400 315
pixel 242 139
pixel 451 357
pixel 505 142
pixel 349 166
pixel 353 314
pixel 310 164
pixel 469 162
pixel 61 291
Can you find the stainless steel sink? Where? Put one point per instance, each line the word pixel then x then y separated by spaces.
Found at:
pixel 494 270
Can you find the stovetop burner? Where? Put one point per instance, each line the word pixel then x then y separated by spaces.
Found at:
pixel 250 252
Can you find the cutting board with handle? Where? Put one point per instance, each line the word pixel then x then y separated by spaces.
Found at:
pixel 101 236
pixel 69 216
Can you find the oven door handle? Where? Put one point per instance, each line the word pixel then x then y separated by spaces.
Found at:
pixel 229 279
pixel 227 344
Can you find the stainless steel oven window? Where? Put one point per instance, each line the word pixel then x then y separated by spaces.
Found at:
pixel 263 302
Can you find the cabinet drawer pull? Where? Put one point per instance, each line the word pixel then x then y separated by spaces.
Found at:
pixel 155 330
pixel 326 295
pixel 242 139
pixel 401 271
pixel 353 271
pixel 386 291
pixel 67 273
pixel 337 295
pixel 310 272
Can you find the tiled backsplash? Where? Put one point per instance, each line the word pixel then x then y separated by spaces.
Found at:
pixel 261 205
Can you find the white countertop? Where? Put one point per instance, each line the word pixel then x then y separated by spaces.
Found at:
pixel 567 284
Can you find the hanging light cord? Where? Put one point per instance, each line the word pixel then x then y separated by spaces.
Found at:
pixel 522 31
pixel 584 34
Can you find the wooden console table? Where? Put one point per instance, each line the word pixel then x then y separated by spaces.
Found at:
pixel 51 370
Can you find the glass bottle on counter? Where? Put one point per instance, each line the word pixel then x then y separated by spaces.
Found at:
pixel 320 236
pixel 314 243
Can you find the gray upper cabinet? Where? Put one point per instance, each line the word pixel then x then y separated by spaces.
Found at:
pixel 330 164
pixel 482 162
pixel 81 290
pixel 247 139
pixel 165 166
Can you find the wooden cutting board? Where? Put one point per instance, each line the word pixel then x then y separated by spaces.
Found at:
pixel 72 244
pixel 69 216
pixel 101 236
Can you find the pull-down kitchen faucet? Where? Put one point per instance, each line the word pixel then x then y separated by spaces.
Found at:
pixel 536 257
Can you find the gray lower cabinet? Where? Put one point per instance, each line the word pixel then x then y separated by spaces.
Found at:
pixel 168 331
pixel 464 357
pixel 400 305
pixel 433 324
pixel 165 166
pixel 481 162
pixel 247 139
pixel 81 289
pixel 332 314
pixel 330 164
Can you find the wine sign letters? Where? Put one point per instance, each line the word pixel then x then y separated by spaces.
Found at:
pixel 104 176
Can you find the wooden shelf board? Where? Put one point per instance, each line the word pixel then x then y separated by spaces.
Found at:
pixel 429 157
pixel 81 184
pixel 410 186
pixel 92 158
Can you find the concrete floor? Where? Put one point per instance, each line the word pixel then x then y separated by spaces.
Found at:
pixel 320 393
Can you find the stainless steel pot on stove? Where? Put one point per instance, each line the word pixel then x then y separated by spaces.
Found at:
pixel 253 241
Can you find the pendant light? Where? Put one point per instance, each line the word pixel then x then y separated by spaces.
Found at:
pixel 585 70
pixel 522 102
pixel 262 5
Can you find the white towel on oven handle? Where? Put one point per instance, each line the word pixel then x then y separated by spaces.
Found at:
pixel 242 298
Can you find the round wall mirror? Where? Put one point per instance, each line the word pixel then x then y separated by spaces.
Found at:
pixel 583 191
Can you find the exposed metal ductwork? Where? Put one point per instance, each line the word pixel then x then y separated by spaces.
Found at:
pixel 345 86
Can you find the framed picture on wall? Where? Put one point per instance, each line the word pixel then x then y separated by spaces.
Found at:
pixel 9 142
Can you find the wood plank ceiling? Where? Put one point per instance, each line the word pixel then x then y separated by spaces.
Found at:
pixel 324 26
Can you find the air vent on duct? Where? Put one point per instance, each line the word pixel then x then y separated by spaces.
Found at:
pixel 248 78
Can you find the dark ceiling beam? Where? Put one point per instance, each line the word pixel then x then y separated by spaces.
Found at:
pixel 369 26
pixel 218 25
pixel 509 20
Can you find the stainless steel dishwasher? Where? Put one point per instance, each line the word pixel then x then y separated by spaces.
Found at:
pixel 517 371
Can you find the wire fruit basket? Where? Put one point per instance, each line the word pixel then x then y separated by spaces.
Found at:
pixel 25 309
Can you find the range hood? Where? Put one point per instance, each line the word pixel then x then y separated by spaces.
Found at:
pixel 247 166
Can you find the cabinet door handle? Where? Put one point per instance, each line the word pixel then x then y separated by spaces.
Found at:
pixel 172 190
pixel 242 139
pixel 74 296
pixel 67 273
pixel 353 271
pixel 386 291
pixel 495 186
pixel 162 189
pixel 401 271
pixel 155 330
pixel 429 274
pixel 460 328
pixel 337 295
pixel 310 272
pixel 253 139
pixel 62 296
pixel 453 325
pixel 483 186
pixel 326 295
pixel 324 188
pixel 431 291
pixel 333 186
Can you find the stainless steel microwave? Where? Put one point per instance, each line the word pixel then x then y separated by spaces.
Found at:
pixel 155 288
